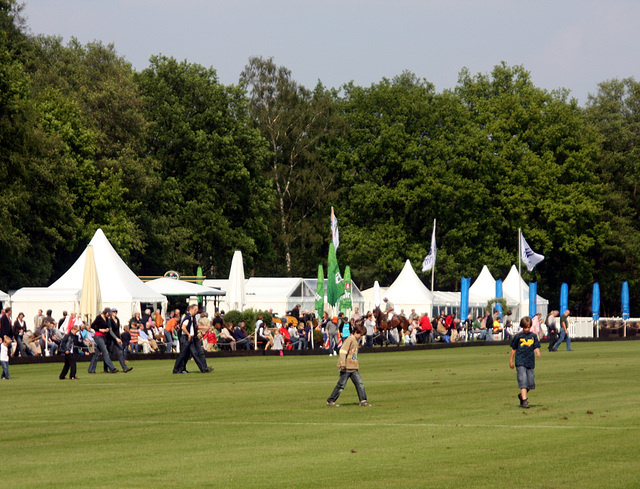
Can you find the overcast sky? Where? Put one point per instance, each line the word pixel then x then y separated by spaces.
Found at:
pixel 573 44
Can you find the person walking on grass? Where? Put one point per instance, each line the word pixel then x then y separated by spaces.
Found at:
pixel 564 332
pixel 523 347
pixel 68 346
pixel 348 365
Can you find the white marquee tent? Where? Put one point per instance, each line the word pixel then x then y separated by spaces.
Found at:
pixel 408 292
pixel 119 287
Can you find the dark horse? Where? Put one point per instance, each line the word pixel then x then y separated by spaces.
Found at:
pixel 384 325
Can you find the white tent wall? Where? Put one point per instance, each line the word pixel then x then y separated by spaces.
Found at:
pixel 29 300
pixel 264 293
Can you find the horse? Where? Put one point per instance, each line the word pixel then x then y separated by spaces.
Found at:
pixel 384 325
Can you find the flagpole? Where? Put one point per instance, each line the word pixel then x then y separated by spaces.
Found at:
pixel 520 271
pixel 433 268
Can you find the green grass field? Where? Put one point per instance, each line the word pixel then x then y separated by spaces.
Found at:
pixel 440 418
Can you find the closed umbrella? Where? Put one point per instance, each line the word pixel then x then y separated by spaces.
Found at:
pixel 320 292
pixel 236 295
pixel 90 298
pixel 377 300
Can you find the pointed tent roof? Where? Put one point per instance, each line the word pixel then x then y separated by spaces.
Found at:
pixel 484 287
pixel 117 282
pixel 511 286
pixel 408 291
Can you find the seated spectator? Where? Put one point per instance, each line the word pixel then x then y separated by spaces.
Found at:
pixel 143 340
pixel 286 337
pixel 226 339
pixel 264 335
pixel 209 341
pixel 151 337
pixel 242 337
pixel 441 331
pixel 294 336
pixel 86 338
pixel 32 344
pixel 46 339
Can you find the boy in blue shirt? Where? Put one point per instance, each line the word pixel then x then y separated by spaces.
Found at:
pixel 523 347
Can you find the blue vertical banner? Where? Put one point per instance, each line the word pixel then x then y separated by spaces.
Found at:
pixel 533 298
pixel 464 298
pixel 595 302
pixel 564 298
pixel 625 300
pixel 499 294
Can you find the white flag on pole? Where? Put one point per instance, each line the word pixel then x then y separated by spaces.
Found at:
pixel 335 234
pixel 529 257
pixel 430 260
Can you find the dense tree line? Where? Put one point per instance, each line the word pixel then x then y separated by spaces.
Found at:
pixel 180 170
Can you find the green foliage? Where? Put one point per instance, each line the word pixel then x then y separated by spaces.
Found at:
pixel 212 198
pixel 250 317
pixel 491 304
pixel 233 317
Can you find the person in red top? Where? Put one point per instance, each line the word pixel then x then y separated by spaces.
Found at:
pixel 210 340
pixel 426 333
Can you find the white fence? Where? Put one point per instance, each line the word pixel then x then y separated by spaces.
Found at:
pixel 582 327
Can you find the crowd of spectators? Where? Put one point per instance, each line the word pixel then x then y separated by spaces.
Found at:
pixel 150 332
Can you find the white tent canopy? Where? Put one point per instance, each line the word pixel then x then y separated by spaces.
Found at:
pixel 4 296
pixel 511 286
pixel 119 286
pixel 408 292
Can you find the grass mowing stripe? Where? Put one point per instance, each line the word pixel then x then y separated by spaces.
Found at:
pixel 335 424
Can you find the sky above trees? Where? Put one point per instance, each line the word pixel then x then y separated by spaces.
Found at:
pixel 573 44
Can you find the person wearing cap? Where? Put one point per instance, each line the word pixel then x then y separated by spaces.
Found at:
pixel 101 328
pixel 388 308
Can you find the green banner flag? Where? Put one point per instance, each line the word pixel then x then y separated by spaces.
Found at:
pixel 345 301
pixel 320 292
pixel 335 284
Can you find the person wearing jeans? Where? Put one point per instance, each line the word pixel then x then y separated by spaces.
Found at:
pixel 101 329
